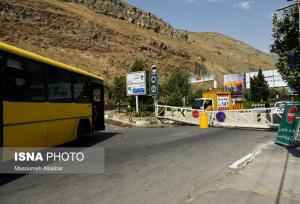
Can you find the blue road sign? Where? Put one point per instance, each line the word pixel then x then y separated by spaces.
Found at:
pixel 138 90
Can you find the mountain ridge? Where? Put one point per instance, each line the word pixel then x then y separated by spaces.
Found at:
pixel 77 35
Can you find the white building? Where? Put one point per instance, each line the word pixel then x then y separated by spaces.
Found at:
pixel 207 76
pixel 273 78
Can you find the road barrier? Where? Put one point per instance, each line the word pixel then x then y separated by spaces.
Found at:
pixel 252 118
pixel 179 114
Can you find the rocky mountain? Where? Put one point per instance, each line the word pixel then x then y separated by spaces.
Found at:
pixel 106 36
pixel 120 10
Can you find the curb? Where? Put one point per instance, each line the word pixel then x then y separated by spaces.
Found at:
pixel 118 123
pixel 131 125
pixel 244 161
pixel 241 163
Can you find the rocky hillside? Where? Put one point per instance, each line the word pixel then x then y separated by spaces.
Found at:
pixel 123 11
pixel 105 37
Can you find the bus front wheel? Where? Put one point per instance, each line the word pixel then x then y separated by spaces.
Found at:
pixel 83 129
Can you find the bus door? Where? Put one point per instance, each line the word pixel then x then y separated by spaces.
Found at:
pixel 98 106
pixel 2 65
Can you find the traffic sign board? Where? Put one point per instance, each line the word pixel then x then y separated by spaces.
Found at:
pixel 289 127
pixel 153 79
pixel 154 68
pixel 220 116
pixel 291 115
pixel 153 84
pixel 195 114
pixel 136 83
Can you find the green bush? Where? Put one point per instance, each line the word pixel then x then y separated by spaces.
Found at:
pixel 248 105
pixel 109 105
pixel 146 107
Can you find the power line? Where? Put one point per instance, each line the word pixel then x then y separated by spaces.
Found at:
pixel 286 7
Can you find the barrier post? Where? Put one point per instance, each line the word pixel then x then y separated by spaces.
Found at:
pixel 203 120
pixel 258 119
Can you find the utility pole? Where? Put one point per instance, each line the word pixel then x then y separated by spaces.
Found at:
pixel 250 70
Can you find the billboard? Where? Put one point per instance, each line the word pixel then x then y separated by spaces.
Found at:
pixel 273 78
pixel 234 83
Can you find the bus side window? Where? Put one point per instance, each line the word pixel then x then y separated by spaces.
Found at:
pixel 15 80
pixel 59 84
pixel 97 95
pixel 35 90
pixel 82 88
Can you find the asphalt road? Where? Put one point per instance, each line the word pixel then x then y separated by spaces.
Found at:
pixel 147 165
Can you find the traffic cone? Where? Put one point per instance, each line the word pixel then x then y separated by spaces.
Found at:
pixel 203 120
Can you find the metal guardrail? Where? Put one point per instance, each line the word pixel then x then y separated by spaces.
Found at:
pixel 252 118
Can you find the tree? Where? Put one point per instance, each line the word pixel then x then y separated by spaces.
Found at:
pixel 174 99
pixel 119 90
pixel 282 94
pixel 138 65
pixel 197 93
pixel 177 87
pixel 259 88
pixel 108 97
pixel 286 46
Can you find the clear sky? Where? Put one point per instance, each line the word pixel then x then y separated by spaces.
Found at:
pixel 246 20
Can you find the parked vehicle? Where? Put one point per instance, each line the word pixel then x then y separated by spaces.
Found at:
pixel 278 111
pixel 216 100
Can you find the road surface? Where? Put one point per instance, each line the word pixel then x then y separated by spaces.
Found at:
pixel 143 165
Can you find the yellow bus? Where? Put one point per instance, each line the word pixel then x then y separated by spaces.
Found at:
pixel 45 103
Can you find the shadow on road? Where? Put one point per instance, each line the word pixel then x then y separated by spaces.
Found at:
pixel 282 179
pixel 91 141
pixel 88 142
pixel 295 151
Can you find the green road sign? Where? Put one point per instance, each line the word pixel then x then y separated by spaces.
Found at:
pixel 288 130
pixel 153 84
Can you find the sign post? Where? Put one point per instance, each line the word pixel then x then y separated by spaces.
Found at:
pixel 137 103
pixel 136 85
pixel 289 127
pixel 153 86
